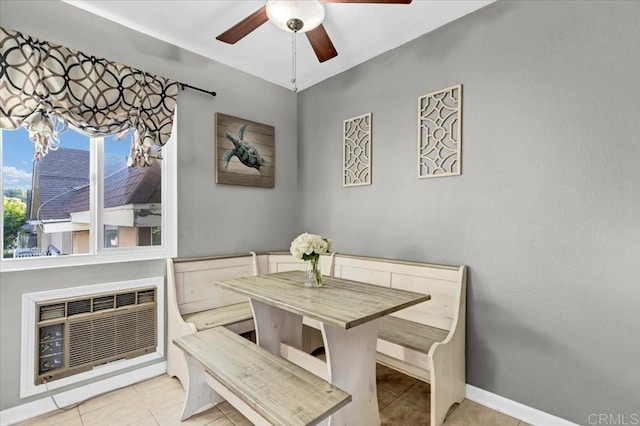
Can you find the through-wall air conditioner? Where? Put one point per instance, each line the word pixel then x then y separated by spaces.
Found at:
pixel 80 333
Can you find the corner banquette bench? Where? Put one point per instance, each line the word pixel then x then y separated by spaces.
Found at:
pixel 195 304
pixel 426 341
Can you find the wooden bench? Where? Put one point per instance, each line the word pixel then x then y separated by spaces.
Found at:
pixel 194 304
pixel 265 388
pixel 426 341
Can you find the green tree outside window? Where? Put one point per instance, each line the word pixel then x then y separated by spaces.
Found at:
pixel 15 211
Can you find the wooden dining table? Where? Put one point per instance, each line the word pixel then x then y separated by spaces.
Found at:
pixel 348 314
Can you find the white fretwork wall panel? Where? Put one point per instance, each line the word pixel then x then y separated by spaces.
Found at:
pixel 356 151
pixel 439 132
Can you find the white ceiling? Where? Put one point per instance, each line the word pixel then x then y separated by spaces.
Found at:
pixel 358 31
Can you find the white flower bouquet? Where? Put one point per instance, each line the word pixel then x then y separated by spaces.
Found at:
pixel 309 247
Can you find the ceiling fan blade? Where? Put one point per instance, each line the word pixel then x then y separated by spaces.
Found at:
pixel 370 1
pixel 244 27
pixel 321 43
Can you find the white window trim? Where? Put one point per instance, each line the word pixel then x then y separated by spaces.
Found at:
pixel 169 247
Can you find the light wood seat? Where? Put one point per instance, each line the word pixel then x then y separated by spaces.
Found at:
pixel 220 316
pixel 410 334
pixel 265 388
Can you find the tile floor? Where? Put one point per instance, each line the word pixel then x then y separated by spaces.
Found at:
pixel 403 401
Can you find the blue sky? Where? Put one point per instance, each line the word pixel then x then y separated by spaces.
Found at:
pixel 17 153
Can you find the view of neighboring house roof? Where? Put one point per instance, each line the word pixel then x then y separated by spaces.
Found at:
pixel 56 176
pixel 62 179
pixel 133 185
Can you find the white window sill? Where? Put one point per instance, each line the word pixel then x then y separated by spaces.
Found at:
pixel 118 256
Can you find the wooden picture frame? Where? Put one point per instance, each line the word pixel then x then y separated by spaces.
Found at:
pixel 245 152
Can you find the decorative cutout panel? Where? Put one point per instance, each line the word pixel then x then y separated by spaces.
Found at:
pixel 439 132
pixel 356 151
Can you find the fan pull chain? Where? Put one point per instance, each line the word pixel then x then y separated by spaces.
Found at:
pixel 293 61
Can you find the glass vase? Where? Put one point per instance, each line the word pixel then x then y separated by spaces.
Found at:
pixel 312 276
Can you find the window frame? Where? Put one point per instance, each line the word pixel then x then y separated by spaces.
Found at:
pixel 99 254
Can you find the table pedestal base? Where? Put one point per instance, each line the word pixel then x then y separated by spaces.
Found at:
pixel 275 326
pixel 351 360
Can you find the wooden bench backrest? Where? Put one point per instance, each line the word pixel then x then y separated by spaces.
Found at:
pixel 443 283
pixel 194 280
pixel 286 262
pixel 194 277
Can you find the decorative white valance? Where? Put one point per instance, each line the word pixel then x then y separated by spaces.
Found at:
pixel 44 87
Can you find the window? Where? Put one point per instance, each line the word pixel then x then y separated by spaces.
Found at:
pixel 110 236
pixel 149 236
pixel 81 204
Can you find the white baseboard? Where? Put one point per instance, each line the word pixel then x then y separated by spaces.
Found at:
pixel 515 409
pixel 44 405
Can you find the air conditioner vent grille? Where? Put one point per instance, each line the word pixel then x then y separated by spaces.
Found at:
pixel 146 296
pixel 125 299
pixel 92 330
pixel 146 321
pixel 76 307
pixel 111 336
pixel 126 332
pixel 103 338
pixel 102 303
pixel 52 311
pixel 80 338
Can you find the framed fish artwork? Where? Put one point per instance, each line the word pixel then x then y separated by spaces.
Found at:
pixel 245 152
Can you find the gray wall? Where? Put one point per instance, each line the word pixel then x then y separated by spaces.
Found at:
pixel 212 219
pixel 546 212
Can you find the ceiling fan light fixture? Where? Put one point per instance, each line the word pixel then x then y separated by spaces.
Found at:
pixel 295 15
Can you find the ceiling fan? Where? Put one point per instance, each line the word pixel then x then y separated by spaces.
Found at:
pixel 295 16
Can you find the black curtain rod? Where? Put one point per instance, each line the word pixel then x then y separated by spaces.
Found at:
pixel 188 86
